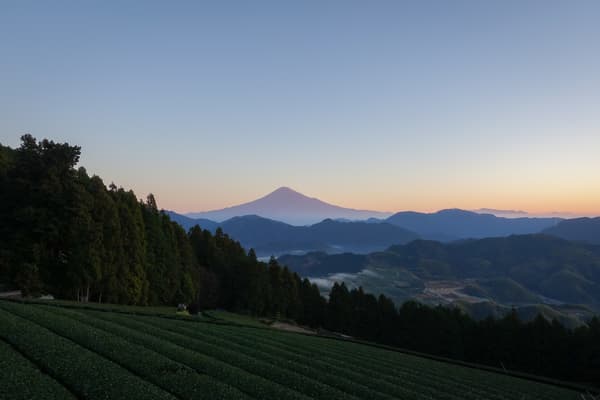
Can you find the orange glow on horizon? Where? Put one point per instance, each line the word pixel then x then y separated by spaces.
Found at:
pixel 539 205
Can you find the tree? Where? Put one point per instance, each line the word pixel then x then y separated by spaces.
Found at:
pixel 277 302
pixel 339 310
pixel 84 254
pixel 38 207
pixel 131 274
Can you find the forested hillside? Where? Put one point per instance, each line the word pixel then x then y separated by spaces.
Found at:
pixel 65 233
pixel 577 229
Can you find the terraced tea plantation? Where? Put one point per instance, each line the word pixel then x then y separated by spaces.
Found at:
pixel 50 352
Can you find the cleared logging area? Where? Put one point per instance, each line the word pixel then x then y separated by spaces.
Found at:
pixel 55 352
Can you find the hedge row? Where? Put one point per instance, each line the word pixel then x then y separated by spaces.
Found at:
pixel 245 381
pixel 21 380
pixel 82 371
pixel 282 374
pixel 176 378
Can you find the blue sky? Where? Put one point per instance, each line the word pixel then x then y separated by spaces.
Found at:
pixel 383 105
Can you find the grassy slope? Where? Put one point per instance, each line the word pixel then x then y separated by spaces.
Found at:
pixel 192 358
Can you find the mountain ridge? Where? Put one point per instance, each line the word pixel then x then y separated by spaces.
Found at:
pixel 269 237
pixel 453 224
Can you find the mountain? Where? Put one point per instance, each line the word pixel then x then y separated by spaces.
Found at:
pixel 578 229
pixel 520 270
pixel 268 237
pixel 453 224
pixel 289 206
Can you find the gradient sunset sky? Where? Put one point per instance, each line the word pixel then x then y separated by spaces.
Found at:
pixel 385 105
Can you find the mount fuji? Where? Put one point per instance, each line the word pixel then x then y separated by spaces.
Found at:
pixel 289 206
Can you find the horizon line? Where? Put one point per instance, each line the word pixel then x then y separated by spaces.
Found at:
pixel 502 213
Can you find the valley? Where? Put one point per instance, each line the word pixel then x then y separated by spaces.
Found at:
pixel 558 278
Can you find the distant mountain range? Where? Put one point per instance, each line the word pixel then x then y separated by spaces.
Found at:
pixel 270 237
pixel 454 224
pixel 288 221
pixel 287 205
pixel 524 271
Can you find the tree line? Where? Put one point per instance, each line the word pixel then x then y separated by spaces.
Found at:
pixel 538 347
pixel 66 233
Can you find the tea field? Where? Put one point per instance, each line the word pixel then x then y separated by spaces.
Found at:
pixel 65 352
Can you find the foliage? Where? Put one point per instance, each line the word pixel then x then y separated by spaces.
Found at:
pixel 171 376
pixel 65 233
pixel 80 369
pixel 20 379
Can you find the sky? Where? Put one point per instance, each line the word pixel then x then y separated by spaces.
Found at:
pixel 383 105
